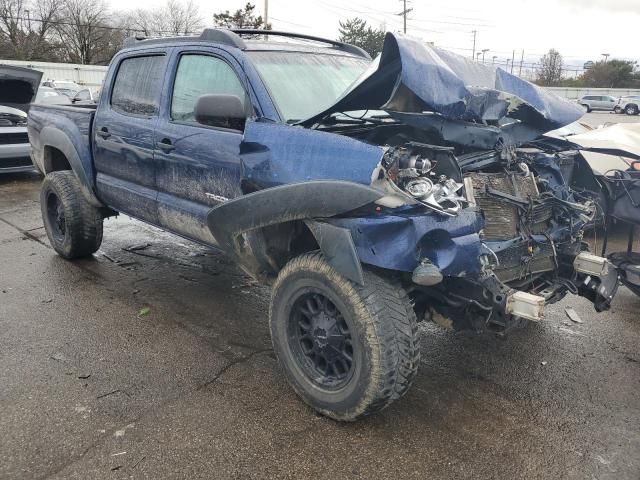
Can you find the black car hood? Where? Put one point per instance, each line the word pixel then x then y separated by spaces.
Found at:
pixel 434 88
pixel 18 86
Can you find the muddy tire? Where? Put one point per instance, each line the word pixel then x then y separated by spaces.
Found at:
pixel 73 225
pixel 347 350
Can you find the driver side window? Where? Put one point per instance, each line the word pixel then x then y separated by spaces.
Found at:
pixel 200 75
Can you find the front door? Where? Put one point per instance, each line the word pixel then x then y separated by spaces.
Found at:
pixel 197 166
pixel 124 136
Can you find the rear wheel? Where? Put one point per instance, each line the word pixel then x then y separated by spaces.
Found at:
pixel 631 109
pixel 73 225
pixel 347 350
pixel 617 109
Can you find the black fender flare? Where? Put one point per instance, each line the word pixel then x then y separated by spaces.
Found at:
pixel 299 201
pixel 53 137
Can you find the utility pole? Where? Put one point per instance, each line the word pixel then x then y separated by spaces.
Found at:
pixel 473 55
pixel 404 13
pixel 606 56
pixel 484 50
pixel 266 17
pixel 513 57
pixel 521 60
pixel 493 59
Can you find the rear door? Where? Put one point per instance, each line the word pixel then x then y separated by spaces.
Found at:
pixel 197 166
pixel 124 135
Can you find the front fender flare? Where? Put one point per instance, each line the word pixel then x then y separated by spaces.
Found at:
pixel 298 201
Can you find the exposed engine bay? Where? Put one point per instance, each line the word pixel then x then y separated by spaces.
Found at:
pixel 533 205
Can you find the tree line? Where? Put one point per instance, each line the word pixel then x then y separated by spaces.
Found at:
pixel 89 32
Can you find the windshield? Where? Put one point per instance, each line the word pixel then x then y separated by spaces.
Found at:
pixel 303 84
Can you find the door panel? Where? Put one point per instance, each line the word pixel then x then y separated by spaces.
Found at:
pixel 197 166
pixel 124 137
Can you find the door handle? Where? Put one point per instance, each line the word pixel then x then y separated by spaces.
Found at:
pixel 103 132
pixel 165 145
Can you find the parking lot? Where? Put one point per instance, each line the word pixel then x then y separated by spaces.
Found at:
pixel 153 360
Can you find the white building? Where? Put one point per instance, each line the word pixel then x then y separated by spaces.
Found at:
pixel 90 76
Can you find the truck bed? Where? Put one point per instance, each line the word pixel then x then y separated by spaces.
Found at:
pixel 69 128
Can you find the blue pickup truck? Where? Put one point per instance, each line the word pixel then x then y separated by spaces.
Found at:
pixel 370 194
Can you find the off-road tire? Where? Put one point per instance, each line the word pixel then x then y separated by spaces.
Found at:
pixel 76 231
pixel 386 351
pixel 631 109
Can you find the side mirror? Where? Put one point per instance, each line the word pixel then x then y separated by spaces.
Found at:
pixel 226 111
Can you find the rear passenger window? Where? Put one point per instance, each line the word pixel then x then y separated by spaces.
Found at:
pixel 137 86
pixel 200 75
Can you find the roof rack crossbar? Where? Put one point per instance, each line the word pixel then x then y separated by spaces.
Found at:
pixel 345 47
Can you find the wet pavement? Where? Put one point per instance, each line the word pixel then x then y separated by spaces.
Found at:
pixel 153 360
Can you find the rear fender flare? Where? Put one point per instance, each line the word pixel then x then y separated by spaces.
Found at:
pixel 55 138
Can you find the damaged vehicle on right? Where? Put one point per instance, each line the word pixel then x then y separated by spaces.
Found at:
pixel 370 195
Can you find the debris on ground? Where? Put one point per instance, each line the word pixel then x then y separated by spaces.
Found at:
pixel 573 315
pixel 144 311
pixel 543 363
pixel 107 394
pixel 58 357
pixel 137 248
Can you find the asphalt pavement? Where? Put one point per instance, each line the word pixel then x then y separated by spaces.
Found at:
pixel 153 360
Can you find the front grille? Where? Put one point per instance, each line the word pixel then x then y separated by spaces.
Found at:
pixel 501 216
pixel 11 138
pixel 15 162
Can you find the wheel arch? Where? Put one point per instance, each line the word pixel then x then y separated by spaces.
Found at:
pixel 260 229
pixel 60 153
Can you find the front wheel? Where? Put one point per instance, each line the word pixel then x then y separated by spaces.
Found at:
pixel 631 109
pixel 73 225
pixel 347 350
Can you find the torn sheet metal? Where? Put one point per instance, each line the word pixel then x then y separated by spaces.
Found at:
pixel 412 77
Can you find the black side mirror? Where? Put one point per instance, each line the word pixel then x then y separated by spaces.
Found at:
pixel 226 111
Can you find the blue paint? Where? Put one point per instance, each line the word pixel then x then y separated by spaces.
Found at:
pixel 400 241
pixel 276 154
pixel 451 85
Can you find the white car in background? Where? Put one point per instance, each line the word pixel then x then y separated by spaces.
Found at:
pixel 18 87
pixel 598 102
pixel 629 104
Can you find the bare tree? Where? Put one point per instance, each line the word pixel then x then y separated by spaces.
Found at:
pixel 26 28
pixel 175 18
pixel 85 34
pixel 550 71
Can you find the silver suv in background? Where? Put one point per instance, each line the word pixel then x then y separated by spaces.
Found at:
pixel 598 102
pixel 629 104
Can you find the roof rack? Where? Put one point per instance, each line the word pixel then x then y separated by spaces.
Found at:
pixel 233 38
pixel 345 47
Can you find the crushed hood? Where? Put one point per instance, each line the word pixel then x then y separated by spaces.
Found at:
pixel 618 139
pixel 410 77
pixel 18 86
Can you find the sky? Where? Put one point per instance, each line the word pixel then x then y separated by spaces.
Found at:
pixel 580 29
